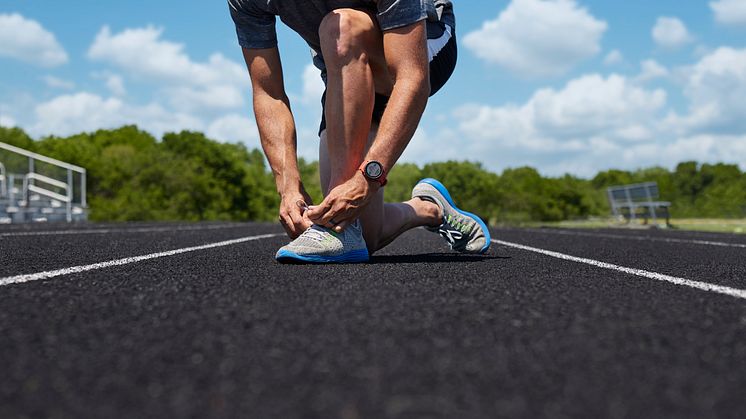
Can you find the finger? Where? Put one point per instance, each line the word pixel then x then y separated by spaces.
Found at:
pixel 306 222
pixel 330 219
pixel 296 221
pixel 332 224
pixel 302 205
pixel 315 211
pixel 341 222
pixel 307 198
pixel 284 222
pixel 293 218
pixel 321 214
pixel 341 226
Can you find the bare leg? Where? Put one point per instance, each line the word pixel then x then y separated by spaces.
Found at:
pixel 382 223
pixel 348 39
pixel 352 47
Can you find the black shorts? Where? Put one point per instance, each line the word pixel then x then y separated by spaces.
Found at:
pixel 442 48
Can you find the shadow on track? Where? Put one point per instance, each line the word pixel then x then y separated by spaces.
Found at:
pixel 432 258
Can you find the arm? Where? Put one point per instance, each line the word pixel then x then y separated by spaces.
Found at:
pixel 277 132
pixel 405 49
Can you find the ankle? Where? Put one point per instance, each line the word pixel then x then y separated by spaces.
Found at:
pixel 428 211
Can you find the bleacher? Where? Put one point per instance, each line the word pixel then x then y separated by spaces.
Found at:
pixel 36 188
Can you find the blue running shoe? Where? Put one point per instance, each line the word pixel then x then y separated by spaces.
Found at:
pixel 321 245
pixel 464 231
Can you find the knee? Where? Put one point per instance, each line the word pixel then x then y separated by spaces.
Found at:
pixel 345 35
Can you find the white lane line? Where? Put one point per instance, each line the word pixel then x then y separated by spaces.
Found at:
pixel 704 286
pixel 639 238
pixel 115 230
pixel 18 279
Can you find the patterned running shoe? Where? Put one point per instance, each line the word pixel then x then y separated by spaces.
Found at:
pixel 321 245
pixel 464 231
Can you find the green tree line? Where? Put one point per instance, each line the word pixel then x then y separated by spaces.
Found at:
pixel 132 176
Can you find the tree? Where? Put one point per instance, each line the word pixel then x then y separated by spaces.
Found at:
pixel 186 176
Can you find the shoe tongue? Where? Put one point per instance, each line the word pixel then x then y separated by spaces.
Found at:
pixel 318 232
pixel 321 230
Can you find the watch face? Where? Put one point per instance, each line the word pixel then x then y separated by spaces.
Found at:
pixel 373 170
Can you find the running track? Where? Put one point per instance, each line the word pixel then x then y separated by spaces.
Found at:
pixel 177 320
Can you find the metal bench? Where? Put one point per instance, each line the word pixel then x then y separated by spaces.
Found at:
pixel 639 200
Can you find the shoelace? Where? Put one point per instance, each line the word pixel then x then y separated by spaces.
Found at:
pixel 451 236
pixel 458 223
pixel 316 234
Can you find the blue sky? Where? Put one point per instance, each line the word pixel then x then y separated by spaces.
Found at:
pixel 561 85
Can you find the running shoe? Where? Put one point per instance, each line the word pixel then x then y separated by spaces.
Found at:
pixel 464 231
pixel 321 245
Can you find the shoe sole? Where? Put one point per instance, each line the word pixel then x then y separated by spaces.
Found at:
pixel 355 256
pixel 443 191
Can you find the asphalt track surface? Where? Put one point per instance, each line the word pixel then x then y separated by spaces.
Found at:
pixel 223 331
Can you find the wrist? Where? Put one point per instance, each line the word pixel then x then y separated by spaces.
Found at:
pixel 370 186
pixel 289 185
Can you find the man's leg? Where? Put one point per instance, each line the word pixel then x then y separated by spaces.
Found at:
pixel 383 222
pixel 352 46
pixel 350 42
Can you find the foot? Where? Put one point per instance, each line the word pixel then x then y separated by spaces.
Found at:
pixel 464 231
pixel 321 245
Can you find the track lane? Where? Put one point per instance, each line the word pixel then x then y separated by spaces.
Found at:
pixel 712 264
pixel 225 331
pixel 30 254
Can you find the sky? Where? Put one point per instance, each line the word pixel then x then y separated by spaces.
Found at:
pixel 565 86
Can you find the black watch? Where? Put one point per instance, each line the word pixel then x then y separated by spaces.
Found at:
pixel 374 171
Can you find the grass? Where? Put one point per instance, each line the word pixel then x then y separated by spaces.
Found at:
pixel 735 226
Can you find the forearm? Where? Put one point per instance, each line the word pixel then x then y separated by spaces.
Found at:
pixel 278 137
pixel 405 49
pixel 400 120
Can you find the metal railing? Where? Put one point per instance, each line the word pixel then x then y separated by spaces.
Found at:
pixel 62 191
pixel 3 182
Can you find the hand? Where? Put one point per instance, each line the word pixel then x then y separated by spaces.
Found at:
pixel 343 204
pixel 293 212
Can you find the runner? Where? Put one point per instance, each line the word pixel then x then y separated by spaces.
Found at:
pixel 380 61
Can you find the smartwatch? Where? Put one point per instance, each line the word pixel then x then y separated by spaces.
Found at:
pixel 374 171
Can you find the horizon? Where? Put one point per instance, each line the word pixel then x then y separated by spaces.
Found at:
pixel 602 86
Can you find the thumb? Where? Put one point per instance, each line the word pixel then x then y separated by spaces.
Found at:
pixel 317 211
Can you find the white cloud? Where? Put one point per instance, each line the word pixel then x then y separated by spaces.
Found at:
pixel 715 87
pixel 592 104
pixel 670 32
pixel 58 83
pixel 729 12
pixel 580 128
pixel 595 122
pixel 602 154
pixel 589 106
pixel 115 84
pixel 537 38
pixel 650 70
pixel 7 121
pixel 142 52
pixel 188 85
pixel 234 128
pixel 613 58
pixel 27 40
pixel 75 113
